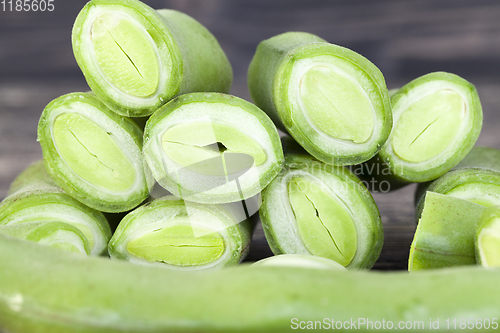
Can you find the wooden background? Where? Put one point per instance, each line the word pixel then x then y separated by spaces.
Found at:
pixel 405 39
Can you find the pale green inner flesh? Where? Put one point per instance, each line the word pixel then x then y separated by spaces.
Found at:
pixel 92 154
pixel 489 243
pixel 64 240
pixel 39 217
pixel 325 226
pixel 125 55
pixel 429 126
pixel 208 148
pixel 337 104
pixel 180 245
pixel 51 233
pixel 490 248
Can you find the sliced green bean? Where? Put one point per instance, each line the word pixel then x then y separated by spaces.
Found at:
pixel 94 154
pixel 331 100
pixel 37 210
pixel 212 148
pixel 437 120
pixel 445 233
pixel 175 234
pixel 475 178
pixel 135 59
pixel 313 208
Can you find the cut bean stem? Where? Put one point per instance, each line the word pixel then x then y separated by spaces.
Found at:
pixel 331 100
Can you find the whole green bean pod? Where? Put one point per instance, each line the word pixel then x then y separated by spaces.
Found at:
pixel 136 59
pixel 44 290
pixel 37 210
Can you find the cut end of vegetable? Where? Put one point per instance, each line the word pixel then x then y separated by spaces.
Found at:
pixel 337 104
pixel 331 100
pixel 206 148
pixel 445 233
pixel 324 223
pixel 92 153
pixel 126 54
pixel 57 234
pixel 61 238
pixel 212 148
pixel 179 235
pixel 488 243
pixel 180 245
pixel 317 209
pixel 429 126
pixel 437 120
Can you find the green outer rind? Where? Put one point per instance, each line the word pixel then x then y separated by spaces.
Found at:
pixel 154 155
pixel 463 147
pixel 481 165
pixel 44 290
pixel 371 249
pixel 37 188
pixel 268 76
pixel 33 177
pixel 445 233
pixel 206 66
pixel 489 214
pixel 71 183
pixel 237 232
pixel 198 62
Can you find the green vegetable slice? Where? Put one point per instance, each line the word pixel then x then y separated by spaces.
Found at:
pixel 476 178
pixel 171 233
pixel 331 100
pixel 445 233
pixel 212 148
pixel 39 211
pixel 437 120
pixel 136 59
pixel 313 208
pixel 325 226
pixel 94 154
pixel 56 234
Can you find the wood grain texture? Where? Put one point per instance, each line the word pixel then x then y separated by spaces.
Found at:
pixel 405 39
